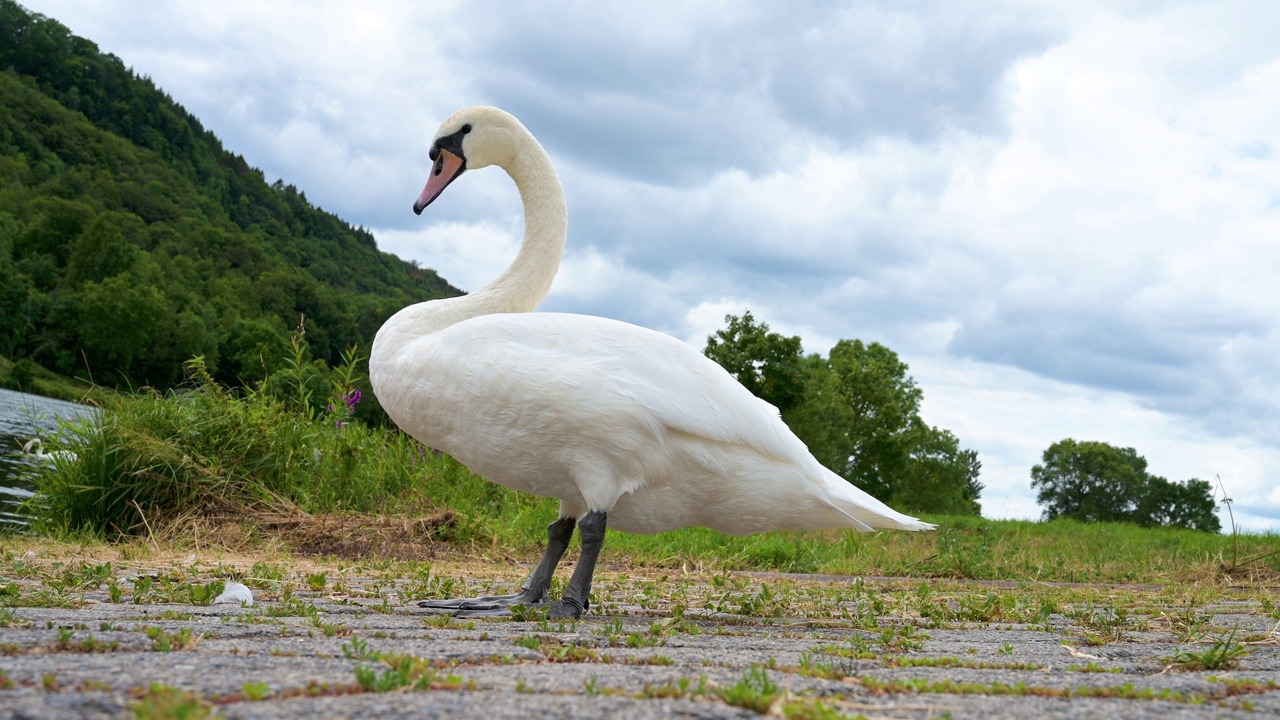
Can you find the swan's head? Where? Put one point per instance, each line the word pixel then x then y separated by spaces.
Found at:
pixel 473 138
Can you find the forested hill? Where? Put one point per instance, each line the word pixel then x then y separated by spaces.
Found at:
pixel 131 240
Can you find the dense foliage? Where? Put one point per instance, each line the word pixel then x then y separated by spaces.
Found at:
pixel 1093 481
pixel 858 411
pixel 130 240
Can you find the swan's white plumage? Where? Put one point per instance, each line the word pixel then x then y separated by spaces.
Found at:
pixel 598 413
pixel 235 593
pixel 34 449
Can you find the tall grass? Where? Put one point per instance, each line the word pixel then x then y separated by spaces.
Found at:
pixel 205 449
pixel 967 547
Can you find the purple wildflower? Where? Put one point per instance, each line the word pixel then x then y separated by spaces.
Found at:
pixel 352 399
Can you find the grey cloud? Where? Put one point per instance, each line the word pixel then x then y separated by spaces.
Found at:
pixel 745 85
pixel 867 71
pixel 1170 364
pixel 1265 511
pixel 1075 345
pixel 659 97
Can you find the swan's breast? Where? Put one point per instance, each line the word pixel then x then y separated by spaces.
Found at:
pixel 525 404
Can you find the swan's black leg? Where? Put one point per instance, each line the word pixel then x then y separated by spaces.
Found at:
pixel 575 599
pixel 532 591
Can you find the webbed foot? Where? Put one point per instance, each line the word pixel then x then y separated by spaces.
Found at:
pixel 484 603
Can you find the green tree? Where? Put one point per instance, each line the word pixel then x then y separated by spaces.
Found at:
pixel 883 403
pixel 1096 482
pixel 823 420
pixel 857 410
pixel 860 417
pixel 103 249
pixel 14 289
pixel 1089 481
pixel 118 322
pixel 254 349
pixel 768 364
pixel 56 225
pixel 941 477
pixel 1189 505
pixel 181 336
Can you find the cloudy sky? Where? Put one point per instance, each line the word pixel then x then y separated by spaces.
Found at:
pixel 1064 216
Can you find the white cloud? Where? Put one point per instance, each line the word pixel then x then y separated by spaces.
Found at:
pixel 980 402
pixel 473 253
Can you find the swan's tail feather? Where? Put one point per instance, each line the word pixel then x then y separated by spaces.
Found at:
pixel 866 512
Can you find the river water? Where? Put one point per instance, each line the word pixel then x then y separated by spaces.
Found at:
pixel 22 417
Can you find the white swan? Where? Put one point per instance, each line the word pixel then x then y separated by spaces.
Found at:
pixel 614 420
pixel 34 449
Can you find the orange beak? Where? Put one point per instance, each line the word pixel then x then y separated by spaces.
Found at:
pixel 447 167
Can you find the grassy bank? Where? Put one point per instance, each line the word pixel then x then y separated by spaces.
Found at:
pixel 207 451
pixel 966 547
pixel 29 377
pixel 166 463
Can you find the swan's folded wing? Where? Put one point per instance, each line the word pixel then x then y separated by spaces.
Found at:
pixel 609 376
pixel 683 390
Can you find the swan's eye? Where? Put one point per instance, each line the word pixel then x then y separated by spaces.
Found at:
pixel 466 128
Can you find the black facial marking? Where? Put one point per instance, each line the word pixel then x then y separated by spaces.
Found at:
pixel 452 143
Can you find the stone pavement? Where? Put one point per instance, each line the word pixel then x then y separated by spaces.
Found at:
pixel 739 649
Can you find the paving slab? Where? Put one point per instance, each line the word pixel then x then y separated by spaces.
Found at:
pixel 651 647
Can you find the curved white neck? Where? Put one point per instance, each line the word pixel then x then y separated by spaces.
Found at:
pixel 546 221
pixel 523 284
